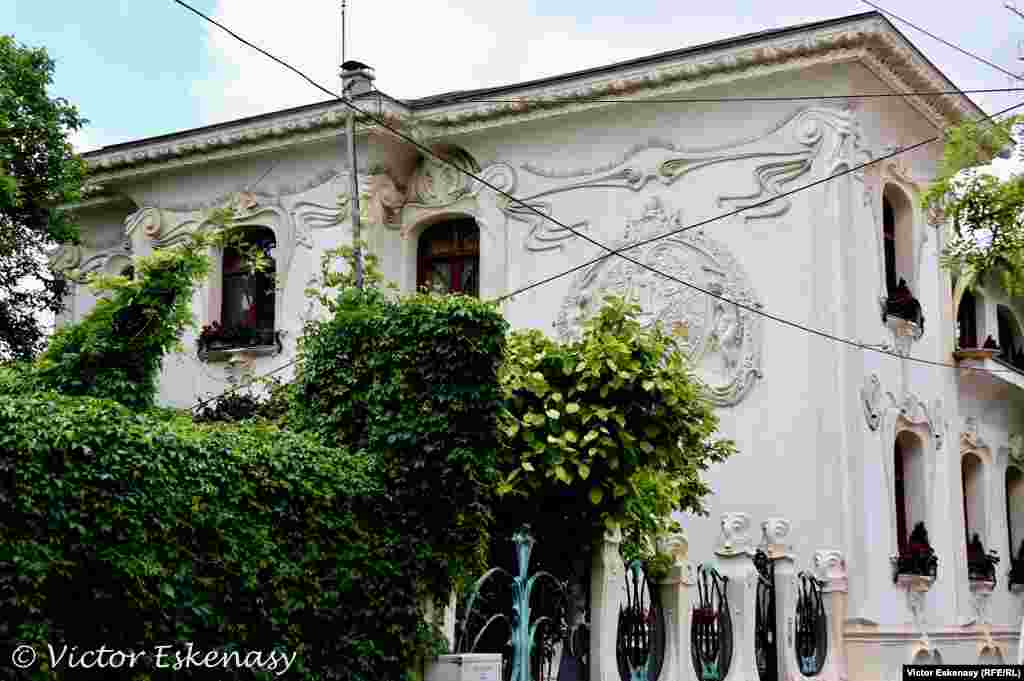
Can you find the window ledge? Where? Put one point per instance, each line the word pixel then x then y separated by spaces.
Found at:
pixel 982 585
pixel 998 370
pixel 222 352
pixel 975 354
pixel 917 583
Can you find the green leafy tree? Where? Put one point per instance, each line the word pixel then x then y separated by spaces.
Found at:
pixel 609 429
pixel 38 172
pixel 987 239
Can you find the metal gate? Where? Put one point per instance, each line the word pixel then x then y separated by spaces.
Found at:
pixel 538 623
pixel 811 625
pixel 640 636
pixel 711 626
pixel 765 650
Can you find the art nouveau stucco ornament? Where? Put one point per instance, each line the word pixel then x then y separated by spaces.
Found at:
pixel 775 536
pixel 1016 449
pixel 871 399
pixel 68 261
pixel 439 183
pixel 722 332
pixel 147 220
pixel 971 436
pixel 65 257
pixel 830 567
pixel 735 537
pixel 783 153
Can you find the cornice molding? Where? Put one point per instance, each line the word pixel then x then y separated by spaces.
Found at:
pixel 870 41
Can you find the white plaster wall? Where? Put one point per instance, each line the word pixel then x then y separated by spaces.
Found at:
pixel 805 451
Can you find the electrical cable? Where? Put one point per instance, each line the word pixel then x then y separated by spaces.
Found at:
pixel 943 41
pixel 611 251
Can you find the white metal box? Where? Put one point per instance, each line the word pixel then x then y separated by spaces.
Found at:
pixel 465 667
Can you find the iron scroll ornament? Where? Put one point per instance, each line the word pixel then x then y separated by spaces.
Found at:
pixel 530 646
pixel 811 636
pixel 711 626
pixel 640 636
pixel 765 635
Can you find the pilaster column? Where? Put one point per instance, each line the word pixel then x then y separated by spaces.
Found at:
pixel 606 582
pixel 735 561
pixel 830 567
pixel 674 591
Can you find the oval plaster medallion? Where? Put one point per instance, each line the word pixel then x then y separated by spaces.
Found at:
pixel 721 338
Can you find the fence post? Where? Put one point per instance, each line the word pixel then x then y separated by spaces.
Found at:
pixel 830 567
pixel 775 532
pixel 675 601
pixel 735 559
pixel 606 583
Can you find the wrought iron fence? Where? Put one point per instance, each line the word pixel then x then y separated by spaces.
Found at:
pixel 711 626
pixel 640 637
pixel 765 650
pixel 530 630
pixel 811 635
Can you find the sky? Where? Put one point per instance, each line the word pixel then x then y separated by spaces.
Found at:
pixel 139 68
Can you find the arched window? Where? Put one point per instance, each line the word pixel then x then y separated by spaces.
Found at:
pixel 897 238
pixel 448 257
pixel 909 487
pixel 247 300
pixel 974 496
pixel 902 531
pixel 967 319
pixel 1009 337
pixel 1015 509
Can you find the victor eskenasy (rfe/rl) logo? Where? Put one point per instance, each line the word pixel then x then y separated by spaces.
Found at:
pixel 168 656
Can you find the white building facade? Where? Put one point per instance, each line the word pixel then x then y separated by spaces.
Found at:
pixel 852 447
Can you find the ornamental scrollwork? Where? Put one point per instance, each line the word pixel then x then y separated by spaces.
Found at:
pixel 782 154
pixel 713 314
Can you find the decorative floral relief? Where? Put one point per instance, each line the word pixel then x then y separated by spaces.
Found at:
pixel 68 260
pixel 721 337
pixel 783 154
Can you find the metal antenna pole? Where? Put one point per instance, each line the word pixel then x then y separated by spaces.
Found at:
pixel 353 176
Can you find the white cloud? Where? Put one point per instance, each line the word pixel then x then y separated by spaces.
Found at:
pixel 421 48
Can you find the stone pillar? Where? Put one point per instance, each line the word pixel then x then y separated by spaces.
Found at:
pixel 775 532
pixel 606 583
pixel 830 567
pixel 735 561
pixel 675 592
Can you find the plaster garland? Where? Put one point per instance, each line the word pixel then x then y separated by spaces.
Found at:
pixel 723 339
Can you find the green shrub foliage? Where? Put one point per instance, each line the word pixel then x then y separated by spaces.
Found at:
pixel 117 349
pixel 415 382
pixel 131 531
pixel 134 529
pixel 612 427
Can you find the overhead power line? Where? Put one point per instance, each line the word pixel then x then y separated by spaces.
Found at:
pixel 942 40
pixel 610 252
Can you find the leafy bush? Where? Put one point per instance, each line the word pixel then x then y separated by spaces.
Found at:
pixel 130 531
pixel 117 349
pixel 414 381
pixel 611 428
